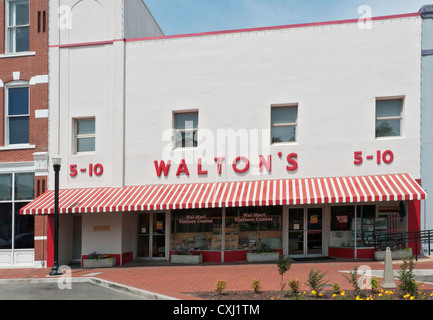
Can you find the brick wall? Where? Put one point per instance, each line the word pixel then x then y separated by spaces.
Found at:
pixel 29 66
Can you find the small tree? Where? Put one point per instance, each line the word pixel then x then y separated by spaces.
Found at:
pixel 283 264
pixel 354 280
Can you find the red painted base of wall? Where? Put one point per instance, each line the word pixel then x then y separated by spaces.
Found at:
pixel 208 256
pixel 365 253
pixel 235 256
pixel 229 256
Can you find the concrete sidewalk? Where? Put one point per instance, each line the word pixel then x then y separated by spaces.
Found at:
pixel 162 280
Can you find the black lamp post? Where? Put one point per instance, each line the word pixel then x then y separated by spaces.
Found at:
pixel 56 165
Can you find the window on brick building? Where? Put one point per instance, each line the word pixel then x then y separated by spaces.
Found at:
pixel 17 26
pixel 16 190
pixel 17 115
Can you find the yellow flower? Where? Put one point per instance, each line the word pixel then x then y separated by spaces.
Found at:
pixel 406 296
pixel 313 293
pixel 272 298
pixel 334 295
pixel 343 293
pixel 412 297
pixel 380 294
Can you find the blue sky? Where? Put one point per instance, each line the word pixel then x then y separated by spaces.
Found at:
pixel 191 16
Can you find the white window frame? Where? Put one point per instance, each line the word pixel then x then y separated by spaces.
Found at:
pixel 8 86
pixel 285 124
pixel 400 117
pixel 8 28
pixel 175 130
pixel 80 136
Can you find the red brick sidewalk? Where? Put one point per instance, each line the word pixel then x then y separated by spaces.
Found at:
pixel 174 281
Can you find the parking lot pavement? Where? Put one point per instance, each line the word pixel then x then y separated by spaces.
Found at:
pixel 51 291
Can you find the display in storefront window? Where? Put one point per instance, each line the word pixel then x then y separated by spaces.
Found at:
pixel 249 227
pixel 369 224
pixel 196 229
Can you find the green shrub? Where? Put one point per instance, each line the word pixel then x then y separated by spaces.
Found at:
pixel 219 286
pixel 256 285
pixel 294 286
pixel 315 280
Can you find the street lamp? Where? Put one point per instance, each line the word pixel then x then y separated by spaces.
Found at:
pixel 57 160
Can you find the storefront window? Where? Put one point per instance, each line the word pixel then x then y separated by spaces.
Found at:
pixel 371 222
pixel 24 186
pixel 249 226
pixel 366 224
pixel 16 189
pixel 24 229
pixel 341 223
pixel 5 226
pixel 196 229
pixel 6 187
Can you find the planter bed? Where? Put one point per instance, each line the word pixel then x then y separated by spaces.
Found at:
pixel 99 263
pixel 396 255
pixel 187 259
pixel 261 257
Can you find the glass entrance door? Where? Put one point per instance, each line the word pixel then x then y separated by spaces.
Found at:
pixel 151 235
pixel 305 231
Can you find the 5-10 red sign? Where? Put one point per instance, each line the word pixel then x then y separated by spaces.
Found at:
pixel 386 156
pixel 93 169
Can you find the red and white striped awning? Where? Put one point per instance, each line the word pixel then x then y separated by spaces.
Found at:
pixel 230 194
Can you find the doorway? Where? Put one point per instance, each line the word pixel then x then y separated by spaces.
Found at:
pixel 305 232
pixel 151 235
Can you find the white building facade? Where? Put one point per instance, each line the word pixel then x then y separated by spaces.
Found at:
pixel 304 139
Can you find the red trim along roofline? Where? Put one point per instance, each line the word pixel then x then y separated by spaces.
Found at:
pixel 212 33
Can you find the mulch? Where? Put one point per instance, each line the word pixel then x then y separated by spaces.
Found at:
pixel 378 294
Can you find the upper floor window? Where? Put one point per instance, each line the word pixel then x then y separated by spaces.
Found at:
pixel 185 126
pixel 85 135
pixel 17 115
pixel 283 123
pixel 17 26
pixel 388 118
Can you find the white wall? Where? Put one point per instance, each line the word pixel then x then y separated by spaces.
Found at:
pixel 138 20
pixel 334 73
pixel 107 242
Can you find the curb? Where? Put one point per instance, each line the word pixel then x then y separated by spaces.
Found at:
pixel 103 283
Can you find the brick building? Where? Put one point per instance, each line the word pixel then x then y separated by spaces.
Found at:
pixel 23 128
